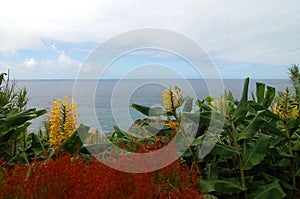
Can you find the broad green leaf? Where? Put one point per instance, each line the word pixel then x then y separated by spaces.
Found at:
pixel 259 122
pixel 257 153
pixel 222 187
pixel 271 178
pixel 36 143
pixel 260 92
pixel 212 171
pixel 20 157
pixel 142 109
pixel 12 133
pixel 95 148
pixel 150 111
pixel 74 142
pixel 197 141
pixel 272 190
pixel 119 132
pixel 188 104
pixel 241 110
pixel 270 95
pixel 296 146
pixel 223 150
pixel 203 106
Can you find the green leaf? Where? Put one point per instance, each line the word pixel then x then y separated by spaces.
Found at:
pixel 270 95
pixel 272 190
pixel 95 148
pixel 222 187
pixel 259 122
pixel 154 111
pixel 119 132
pixel 241 110
pixel 257 153
pixel 296 146
pixel 74 142
pixel 223 150
pixel 20 157
pixel 197 141
pixel 260 92
pixel 188 104
pixel 36 143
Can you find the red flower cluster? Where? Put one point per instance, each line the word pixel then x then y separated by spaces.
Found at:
pixel 68 177
pixel 72 177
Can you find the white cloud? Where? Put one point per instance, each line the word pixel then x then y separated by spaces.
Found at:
pixel 60 67
pixel 30 63
pixel 262 32
pixel 66 62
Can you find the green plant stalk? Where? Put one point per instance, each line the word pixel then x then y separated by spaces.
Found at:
pixel 291 154
pixel 185 135
pixel 286 102
pixel 193 154
pixel 236 145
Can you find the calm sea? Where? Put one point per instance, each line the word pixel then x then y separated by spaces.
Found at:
pixel 43 92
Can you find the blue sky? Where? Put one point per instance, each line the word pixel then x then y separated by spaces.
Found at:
pixel 52 39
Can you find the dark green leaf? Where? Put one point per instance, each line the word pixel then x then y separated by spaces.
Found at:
pixel 272 190
pixel 241 110
pixel 270 95
pixel 155 111
pixel 223 150
pixel 74 142
pixel 222 187
pixel 260 92
pixel 257 153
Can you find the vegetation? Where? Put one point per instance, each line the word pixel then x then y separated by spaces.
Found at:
pixel 252 151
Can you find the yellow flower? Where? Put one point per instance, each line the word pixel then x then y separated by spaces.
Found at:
pixel 173 125
pixel 295 112
pixel 286 112
pixel 63 121
pixel 171 99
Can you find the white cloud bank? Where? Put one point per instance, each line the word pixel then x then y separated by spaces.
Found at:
pixel 232 31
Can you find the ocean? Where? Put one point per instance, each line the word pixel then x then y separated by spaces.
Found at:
pixel 43 92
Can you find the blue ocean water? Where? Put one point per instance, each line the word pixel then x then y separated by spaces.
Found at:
pixel 43 92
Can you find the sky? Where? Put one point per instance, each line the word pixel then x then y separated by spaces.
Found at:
pixel 53 39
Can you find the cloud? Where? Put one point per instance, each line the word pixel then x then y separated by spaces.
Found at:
pixel 30 63
pixel 66 62
pixel 258 32
pixel 61 67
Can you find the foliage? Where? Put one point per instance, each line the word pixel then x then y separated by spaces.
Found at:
pixel 261 165
pixel 14 120
pixel 68 177
pixel 252 157
pixel 252 151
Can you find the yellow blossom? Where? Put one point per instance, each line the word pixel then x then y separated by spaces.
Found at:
pixel 63 121
pixel 171 99
pixel 286 112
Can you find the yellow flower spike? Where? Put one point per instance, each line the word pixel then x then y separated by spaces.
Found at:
pixel 295 112
pixel 63 121
pixel 171 99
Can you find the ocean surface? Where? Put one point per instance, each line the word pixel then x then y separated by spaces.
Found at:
pixel 112 99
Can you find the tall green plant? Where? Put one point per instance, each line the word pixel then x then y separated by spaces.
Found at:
pixel 14 120
pixel 257 160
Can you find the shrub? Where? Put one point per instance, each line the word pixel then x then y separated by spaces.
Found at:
pixel 68 177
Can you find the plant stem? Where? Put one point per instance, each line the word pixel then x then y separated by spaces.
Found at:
pixel 291 154
pixel 236 145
